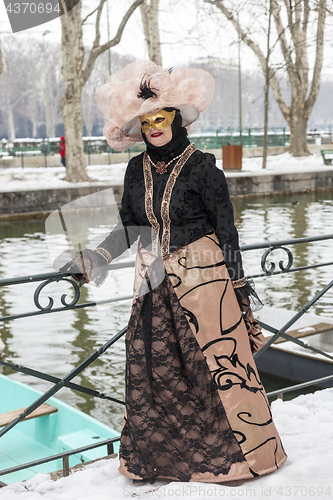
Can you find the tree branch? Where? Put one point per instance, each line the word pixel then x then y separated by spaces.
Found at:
pixel 91 59
pixel 149 17
pixel 298 11
pixel 319 57
pixel 306 15
pixel 87 17
pixel 288 9
pixel 99 49
pixel 1 61
pixel 121 28
pixel 24 94
pixel 286 52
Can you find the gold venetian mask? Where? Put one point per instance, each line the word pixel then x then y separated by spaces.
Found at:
pixel 161 119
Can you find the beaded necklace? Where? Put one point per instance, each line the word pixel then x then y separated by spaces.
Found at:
pixel 161 166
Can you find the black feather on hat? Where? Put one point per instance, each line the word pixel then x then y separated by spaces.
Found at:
pixel 146 92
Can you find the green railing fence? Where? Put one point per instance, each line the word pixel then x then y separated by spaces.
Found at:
pixel 204 140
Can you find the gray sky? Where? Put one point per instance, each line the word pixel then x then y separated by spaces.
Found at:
pixel 183 36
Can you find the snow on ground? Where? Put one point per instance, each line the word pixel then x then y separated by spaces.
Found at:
pixel 21 179
pixel 305 425
pixel 13 179
pixel 283 162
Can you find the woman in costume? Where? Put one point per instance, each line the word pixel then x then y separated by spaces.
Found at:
pixel 196 409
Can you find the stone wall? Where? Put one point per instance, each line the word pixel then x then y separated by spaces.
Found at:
pixel 265 183
pixel 47 200
pixel 240 184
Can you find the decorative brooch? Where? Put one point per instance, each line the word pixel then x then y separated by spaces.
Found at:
pixel 161 166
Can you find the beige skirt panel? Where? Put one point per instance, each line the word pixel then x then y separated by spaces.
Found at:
pixel 204 289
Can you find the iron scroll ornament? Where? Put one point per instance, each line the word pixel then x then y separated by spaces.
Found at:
pixel 40 287
pixel 283 267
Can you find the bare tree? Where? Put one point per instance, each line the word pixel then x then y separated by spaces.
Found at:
pixel 55 86
pixel 293 28
pixel 22 85
pixel 76 71
pixel 267 77
pixel 1 61
pixel 15 85
pixel 149 16
pixel 32 107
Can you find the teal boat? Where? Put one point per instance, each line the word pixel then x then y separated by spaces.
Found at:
pixel 53 428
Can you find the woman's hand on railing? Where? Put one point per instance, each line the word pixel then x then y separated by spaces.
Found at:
pixel 87 266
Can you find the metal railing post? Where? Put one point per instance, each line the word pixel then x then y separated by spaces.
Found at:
pixel 110 449
pixel 59 456
pixel 65 466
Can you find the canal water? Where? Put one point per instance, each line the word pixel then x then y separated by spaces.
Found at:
pixel 56 343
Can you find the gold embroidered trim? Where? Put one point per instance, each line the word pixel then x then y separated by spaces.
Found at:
pixel 167 196
pixel 104 253
pixel 155 227
pixel 239 283
pixel 165 200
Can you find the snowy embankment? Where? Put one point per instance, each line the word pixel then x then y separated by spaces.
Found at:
pixel 305 425
pixel 14 179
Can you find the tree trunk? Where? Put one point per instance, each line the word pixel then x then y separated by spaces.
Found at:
pixel 75 171
pixel 75 77
pixel 10 117
pixel 266 100
pixel 34 128
pixel 149 16
pixel 11 124
pixel 72 60
pixel 298 132
pixel 52 129
pixel 89 126
pixel 1 61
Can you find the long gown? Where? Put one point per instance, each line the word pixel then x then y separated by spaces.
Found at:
pixel 196 409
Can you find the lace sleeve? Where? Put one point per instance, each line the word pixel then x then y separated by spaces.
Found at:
pixel 127 229
pixel 249 301
pixel 216 200
pixel 246 295
pixel 88 266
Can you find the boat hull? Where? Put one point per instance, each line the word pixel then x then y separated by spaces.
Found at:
pixel 294 367
pixel 292 362
pixel 47 435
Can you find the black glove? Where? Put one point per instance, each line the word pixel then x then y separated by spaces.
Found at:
pixel 88 265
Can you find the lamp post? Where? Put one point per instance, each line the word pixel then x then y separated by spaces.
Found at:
pixel 46 100
pixel 108 23
pixel 239 84
pixel 231 94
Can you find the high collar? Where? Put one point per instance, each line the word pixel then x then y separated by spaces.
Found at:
pixel 170 150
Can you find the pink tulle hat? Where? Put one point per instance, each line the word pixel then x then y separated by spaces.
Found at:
pixel 188 89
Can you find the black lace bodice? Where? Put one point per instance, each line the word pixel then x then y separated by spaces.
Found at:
pixel 199 203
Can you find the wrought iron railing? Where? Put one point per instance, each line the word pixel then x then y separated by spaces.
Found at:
pixel 268 269
pixel 64 456
pixel 280 392
pixel 212 139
